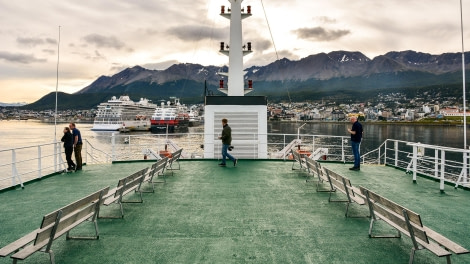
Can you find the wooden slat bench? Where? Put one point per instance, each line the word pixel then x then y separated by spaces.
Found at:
pixel 125 186
pixel 343 184
pixel 158 168
pixel 409 223
pixel 55 224
pixel 315 169
pixel 298 160
pixel 175 157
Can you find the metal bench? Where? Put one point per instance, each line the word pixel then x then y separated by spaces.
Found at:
pixel 409 223
pixel 125 185
pixel 343 184
pixel 56 224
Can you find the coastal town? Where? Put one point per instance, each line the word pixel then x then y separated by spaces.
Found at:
pixel 392 107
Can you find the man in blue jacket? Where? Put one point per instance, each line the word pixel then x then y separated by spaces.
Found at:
pixel 77 145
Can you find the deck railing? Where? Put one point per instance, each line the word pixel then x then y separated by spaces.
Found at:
pixel 23 164
pixel 19 165
pixel 441 163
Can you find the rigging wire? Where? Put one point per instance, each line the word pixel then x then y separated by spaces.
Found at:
pixel 275 48
pixel 196 47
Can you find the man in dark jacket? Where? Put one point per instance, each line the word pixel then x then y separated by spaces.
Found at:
pixel 226 141
pixel 356 136
pixel 67 138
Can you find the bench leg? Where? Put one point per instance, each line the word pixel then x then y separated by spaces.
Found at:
pixel 137 201
pixel 336 201
pixel 387 236
pixel 151 184
pixel 320 180
pixel 412 256
pixel 96 237
pixel 51 257
pixel 161 174
pixel 114 217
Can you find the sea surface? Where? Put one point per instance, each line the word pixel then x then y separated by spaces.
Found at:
pixel 16 134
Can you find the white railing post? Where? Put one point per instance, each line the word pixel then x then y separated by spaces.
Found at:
pixel 378 157
pixel 91 153
pixel 55 155
pixel 465 166
pixel 113 144
pixel 396 153
pixel 343 159
pixel 385 153
pixel 284 145
pixel 313 143
pixel 415 161
pixel 60 158
pixel 436 163
pixel 14 171
pixel 443 162
pixel 39 162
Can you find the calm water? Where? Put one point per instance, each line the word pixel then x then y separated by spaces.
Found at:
pixel 15 134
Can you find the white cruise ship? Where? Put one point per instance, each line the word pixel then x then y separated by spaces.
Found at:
pixel 124 114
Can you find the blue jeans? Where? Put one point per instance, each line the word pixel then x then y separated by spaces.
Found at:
pixel 356 148
pixel 225 155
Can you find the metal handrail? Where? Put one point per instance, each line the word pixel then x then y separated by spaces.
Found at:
pixel 445 164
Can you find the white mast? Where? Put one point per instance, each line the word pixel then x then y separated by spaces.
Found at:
pixel 247 115
pixel 235 50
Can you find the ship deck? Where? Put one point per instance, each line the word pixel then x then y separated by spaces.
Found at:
pixel 258 212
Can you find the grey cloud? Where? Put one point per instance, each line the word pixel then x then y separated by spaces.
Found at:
pixel 49 51
pixel 196 33
pixel 101 41
pixel 325 20
pixel 19 58
pixel 320 33
pixel 261 45
pixel 51 41
pixel 97 56
pixel 29 42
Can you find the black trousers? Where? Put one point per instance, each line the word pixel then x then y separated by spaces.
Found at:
pixel 68 156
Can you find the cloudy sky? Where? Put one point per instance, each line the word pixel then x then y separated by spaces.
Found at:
pixel 102 37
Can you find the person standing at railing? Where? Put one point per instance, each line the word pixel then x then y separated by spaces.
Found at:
pixel 226 141
pixel 67 138
pixel 77 145
pixel 356 136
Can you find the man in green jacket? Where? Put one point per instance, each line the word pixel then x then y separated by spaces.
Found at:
pixel 226 141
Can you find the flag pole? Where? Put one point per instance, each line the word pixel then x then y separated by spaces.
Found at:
pixel 56 87
pixel 463 79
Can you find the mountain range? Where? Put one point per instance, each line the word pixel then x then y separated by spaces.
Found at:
pixel 338 74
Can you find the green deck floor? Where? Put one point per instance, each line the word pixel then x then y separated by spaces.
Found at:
pixel 258 212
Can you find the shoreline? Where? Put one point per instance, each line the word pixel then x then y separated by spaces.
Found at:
pixel 400 123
